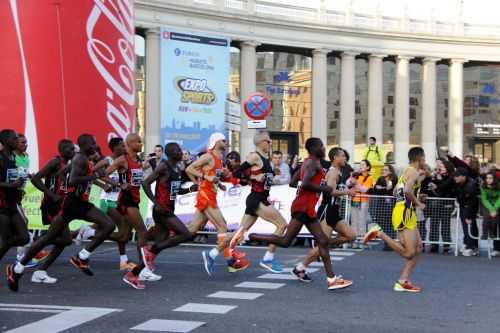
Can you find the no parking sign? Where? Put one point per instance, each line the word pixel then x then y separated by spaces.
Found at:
pixel 257 107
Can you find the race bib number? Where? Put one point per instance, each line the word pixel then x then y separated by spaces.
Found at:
pixel 115 177
pixel 268 182
pixel 136 178
pixel 175 187
pixel 12 175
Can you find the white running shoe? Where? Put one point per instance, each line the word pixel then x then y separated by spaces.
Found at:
pixel 84 233
pixel 495 253
pixel 148 275
pixel 42 277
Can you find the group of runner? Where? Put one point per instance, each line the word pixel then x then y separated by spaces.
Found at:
pixel 67 178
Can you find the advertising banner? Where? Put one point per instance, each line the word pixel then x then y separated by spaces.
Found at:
pixel 194 84
pixel 67 68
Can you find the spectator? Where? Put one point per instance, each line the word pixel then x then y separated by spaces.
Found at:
pixel 380 208
pixel 280 168
pixel 363 182
pixel 466 194
pixel 441 186
pixel 490 203
pixel 155 158
pixel 294 164
pixel 375 155
pixel 469 163
pixel 186 159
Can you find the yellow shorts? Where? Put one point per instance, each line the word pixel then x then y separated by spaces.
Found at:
pixel 403 217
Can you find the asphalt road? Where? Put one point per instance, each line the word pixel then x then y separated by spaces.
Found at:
pixel 459 295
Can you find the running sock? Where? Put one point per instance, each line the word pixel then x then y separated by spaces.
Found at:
pixel 213 253
pixel 83 254
pixel 221 242
pixel 269 256
pixel 18 268
pixel 300 267
pixel 124 258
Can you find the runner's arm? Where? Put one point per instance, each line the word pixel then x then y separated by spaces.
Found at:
pixel 311 168
pixel 294 182
pixel 78 169
pixel 36 180
pixel 154 176
pixel 331 180
pixel 194 169
pixel 410 182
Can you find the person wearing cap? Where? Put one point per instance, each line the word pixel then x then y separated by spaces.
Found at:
pixel 209 170
pixel 466 194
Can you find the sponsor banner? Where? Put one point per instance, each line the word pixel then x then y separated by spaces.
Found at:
pixel 194 83
pixel 70 67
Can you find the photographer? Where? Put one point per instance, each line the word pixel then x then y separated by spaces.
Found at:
pixel 155 158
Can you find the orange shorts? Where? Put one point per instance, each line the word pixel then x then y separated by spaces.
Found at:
pixel 206 199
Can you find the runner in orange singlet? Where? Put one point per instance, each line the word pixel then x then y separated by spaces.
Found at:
pixel 209 169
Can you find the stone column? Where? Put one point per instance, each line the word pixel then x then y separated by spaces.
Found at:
pixel 347 101
pixel 429 109
pixel 456 106
pixel 152 103
pixel 319 92
pixel 402 111
pixel 375 97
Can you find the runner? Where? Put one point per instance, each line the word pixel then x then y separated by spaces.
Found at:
pixel 304 213
pixel 76 205
pixel 13 229
pixel 168 178
pixel 128 205
pixel 209 169
pixel 108 204
pixel 257 204
pixel 404 220
pixel 329 213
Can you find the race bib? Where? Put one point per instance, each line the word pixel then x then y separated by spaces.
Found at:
pixel 12 175
pixel 136 178
pixel 268 181
pixel 175 187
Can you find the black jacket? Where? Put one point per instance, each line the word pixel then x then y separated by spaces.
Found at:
pixel 445 187
pixel 467 197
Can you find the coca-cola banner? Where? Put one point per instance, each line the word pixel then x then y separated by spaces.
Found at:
pixel 194 82
pixel 67 67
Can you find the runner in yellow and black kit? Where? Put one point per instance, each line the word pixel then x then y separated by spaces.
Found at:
pixel 404 220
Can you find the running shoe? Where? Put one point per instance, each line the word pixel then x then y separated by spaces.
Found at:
pixel 127 266
pixel 371 234
pixel 271 265
pixel 406 286
pixel 133 281
pixel 208 262
pixel 42 277
pixel 301 275
pixel 82 265
pixel 84 233
pixel 495 253
pixel 338 283
pixel 41 255
pixel 32 263
pixel 12 278
pixel 237 254
pixel 235 265
pixel 148 257
pixel 147 275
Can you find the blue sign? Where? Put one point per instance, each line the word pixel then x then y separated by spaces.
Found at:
pixel 194 82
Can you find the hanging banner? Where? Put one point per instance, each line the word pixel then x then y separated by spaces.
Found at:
pixel 67 68
pixel 194 84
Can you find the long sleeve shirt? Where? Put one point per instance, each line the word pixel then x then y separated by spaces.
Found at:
pixel 490 199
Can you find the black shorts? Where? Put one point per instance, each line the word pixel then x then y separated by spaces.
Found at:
pixel 50 210
pixel 75 209
pixel 304 218
pixel 333 215
pixel 126 201
pixel 9 211
pixel 254 199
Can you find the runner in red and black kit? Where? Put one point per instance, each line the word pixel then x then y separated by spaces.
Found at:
pixel 304 207
pixel 75 206
pixel 168 178
pixel 13 229
pixel 128 204
pixel 261 178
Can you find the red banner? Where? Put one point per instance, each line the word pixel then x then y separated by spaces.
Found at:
pixel 67 67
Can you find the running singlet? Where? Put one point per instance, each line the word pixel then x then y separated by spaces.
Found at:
pixel 9 173
pixel 134 175
pixel 403 214
pixel 166 191
pixel 305 201
pixel 207 192
pixel 116 178
pixel 56 183
pixel 265 185
pixel 82 191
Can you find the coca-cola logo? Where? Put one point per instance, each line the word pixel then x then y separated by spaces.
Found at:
pixel 114 59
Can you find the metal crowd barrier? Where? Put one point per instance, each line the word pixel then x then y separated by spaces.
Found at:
pixel 438 223
pixel 491 233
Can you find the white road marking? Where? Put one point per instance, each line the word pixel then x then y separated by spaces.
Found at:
pixel 235 295
pixel 342 253
pixel 205 308
pixel 66 318
pixel 163 325
pixel 31 310
pixel 277 276
pixel 260 285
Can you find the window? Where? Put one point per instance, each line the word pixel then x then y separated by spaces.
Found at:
pixel 333 124
pixel 390 99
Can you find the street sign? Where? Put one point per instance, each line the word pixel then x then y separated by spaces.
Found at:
pixel 257 106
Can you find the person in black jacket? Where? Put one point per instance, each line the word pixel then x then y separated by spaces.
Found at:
pixel 466 193
pixel 441 186
pixel 380 208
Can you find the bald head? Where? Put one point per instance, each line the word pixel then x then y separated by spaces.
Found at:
pixel 134 142
pixel 262 141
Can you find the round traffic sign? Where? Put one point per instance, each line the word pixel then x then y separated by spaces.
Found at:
pixel 257 106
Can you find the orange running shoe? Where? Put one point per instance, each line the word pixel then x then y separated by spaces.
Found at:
pixel 82 265
pixel 406 286
pixel 371 234
pixel 338 283
pixel 235 265
pixel 238 254
pixel 41 255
